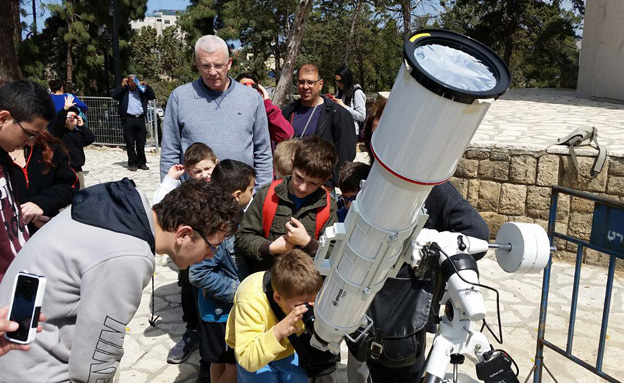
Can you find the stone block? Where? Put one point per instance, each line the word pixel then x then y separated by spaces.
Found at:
pixel 564 256
pixel 498 155
pixel 494 170
pixel 596 258
pixel 461 184
pixel 563 208
pixel 521 219
pixel 616 185
pixel 579 225
pixel 581 205
pixel 523 169
pixel 538 202
pixel 473 192
pixel 489 193
pixel 494 222
pixel 548 170
pixel 477 154
pixel 581 179
pixel 560 227
pixel 512 199
pixel 467 168
pixel 616 166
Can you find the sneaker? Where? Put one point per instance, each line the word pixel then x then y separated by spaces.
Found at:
pixel 132 168
pixel 184 348
pixel 143 167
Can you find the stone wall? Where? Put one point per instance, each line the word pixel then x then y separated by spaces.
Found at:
pixel 515 185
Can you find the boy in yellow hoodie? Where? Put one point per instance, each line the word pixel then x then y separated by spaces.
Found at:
pixel 263 351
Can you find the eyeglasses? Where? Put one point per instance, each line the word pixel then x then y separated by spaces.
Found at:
pixel 345 199
pixel 72 117
pixel 212 248
pixel 30 134
pixel 308 82
pixel 206 67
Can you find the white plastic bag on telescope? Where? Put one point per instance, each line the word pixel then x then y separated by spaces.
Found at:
pixel 455 68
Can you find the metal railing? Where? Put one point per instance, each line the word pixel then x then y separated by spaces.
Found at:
pixel 607 237
pixel 103 119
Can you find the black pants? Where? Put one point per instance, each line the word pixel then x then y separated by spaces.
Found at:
pixel 409 374
pixel 190 314
pixel 135 134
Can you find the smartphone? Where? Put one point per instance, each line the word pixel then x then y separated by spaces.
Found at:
pixel 25 306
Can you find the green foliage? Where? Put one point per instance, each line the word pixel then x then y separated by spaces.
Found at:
pixel 85 26
pixel 376 52
pixel 163 61
pixel 536 38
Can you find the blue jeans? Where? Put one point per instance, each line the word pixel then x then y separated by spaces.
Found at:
pixel 285 370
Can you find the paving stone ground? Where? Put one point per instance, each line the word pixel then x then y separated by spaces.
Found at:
pixel 536 117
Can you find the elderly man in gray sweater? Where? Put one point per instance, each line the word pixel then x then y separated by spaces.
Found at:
pixel 228 117
pixel 218 111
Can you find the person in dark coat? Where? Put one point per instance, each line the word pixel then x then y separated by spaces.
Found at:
pixel 314 114
pixel 133 99
pixel 43 181
pixel 75 134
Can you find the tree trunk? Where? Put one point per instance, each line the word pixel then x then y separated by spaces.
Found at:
pixel 356 13
pixel 69 61
pixel 34 8
pixel 406 10
pixel 70 70
pixel 292 50
pixel 10 36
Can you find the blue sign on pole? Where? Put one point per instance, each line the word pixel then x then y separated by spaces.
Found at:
pixel 608 228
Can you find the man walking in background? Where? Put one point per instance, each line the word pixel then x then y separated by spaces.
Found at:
pixel 133 96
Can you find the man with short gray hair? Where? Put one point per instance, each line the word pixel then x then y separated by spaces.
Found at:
pixel 218 111
pixel 231 119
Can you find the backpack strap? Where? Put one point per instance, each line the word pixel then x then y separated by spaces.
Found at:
pixel 584 136
pixel 322 215
pixel 602 155
pixel 269 208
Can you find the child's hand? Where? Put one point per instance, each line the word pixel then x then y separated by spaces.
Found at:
pixel 176 171
pixel 287 326
pixel 69 102
pixel 281 246
pixel 80 121
pixel 296 233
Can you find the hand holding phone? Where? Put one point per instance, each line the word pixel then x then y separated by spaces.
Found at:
pixel 25 307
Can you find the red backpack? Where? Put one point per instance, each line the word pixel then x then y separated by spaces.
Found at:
pixel 270 206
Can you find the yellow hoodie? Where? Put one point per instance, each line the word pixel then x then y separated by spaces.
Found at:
pixel 249 328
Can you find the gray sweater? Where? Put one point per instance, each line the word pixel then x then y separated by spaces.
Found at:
pixel 95 279
pixel 233 123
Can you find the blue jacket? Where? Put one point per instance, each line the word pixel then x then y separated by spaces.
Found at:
pixel 217 280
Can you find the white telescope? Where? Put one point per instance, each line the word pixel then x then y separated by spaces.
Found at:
pixel 442 92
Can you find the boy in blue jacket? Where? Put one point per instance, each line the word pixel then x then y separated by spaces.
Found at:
pixel 217 280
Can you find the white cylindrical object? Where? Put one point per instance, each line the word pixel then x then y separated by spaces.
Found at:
pixel 468 296
pixel 422 134
pixel 530 248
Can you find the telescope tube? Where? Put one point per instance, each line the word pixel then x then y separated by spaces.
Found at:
pixel 442 92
